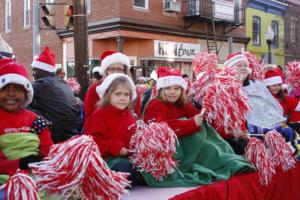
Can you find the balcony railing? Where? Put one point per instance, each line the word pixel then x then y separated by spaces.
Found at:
pixel 219 10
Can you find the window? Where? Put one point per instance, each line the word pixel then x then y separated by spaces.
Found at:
pixel 88 6
pixel 256 30
pixel 274 26
pixel 293 29
pixel 140 3
pixel 8 15
pixel 26 13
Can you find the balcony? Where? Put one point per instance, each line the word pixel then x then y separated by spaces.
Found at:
pixel 221 11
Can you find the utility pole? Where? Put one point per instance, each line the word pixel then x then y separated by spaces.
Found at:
pixel 81 44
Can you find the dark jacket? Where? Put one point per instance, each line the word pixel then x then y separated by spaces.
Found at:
pixel 54 100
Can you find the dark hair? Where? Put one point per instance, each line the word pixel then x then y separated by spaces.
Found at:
pixel 247 81
pixel 97 75
pixel 59 71
pixel 280 95
pixel 185 76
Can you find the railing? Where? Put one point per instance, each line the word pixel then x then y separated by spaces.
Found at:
pixel 220 10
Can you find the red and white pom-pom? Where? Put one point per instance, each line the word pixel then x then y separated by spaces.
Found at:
pixel 76 167
pixel 279 151
pixel 20 186
pixel 293 74
pixel 225 102
pixel 204 61
pixel 74 85
pixel 255 65
pixel 153 147
pixel 257 153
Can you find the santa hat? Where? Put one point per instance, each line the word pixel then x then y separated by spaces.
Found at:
pixel 235 59
pixel 113 57
pixel 13 72
pixel 168 77
pixel 273 76
pixel 45 61
pixel 5 49
pixel 101 89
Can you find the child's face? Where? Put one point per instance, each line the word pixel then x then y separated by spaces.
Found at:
pixel 172 93
pixel 274 89
pixel 12 97
pixel 120 98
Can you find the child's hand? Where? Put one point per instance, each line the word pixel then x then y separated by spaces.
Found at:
pixel 199 118
pixel 123 151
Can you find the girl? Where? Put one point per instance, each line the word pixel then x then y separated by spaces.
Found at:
pixel 291 106
pixel 204 157
pixel 24 135
pixel 112 125
pixel 111 62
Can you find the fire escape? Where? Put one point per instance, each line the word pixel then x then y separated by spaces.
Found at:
pixel 219 17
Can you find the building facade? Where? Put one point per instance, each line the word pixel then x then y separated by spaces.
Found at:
pixel 292 31
pixel 151 33
pixel 260 15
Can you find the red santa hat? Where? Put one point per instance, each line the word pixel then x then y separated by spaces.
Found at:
pixel 45 61
pixel 235 59
pixel 168 77
pixel 101 89
pixel 273 76
pixel 12 72
pixel 113 57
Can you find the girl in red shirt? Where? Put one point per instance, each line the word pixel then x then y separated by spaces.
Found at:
pixel 203 156
pixel 24 136
pixel 291 106
pixel 112 124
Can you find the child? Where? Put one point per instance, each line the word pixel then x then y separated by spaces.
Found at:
pixel 24 135
pixel 111 62
pixel 291 106
pixel 112 125
pixel 204 157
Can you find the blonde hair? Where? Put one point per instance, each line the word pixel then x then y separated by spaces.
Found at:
pixel 179 103
pixel 113 86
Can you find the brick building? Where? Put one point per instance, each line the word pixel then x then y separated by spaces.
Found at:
pixel 292 31
pixel 151 33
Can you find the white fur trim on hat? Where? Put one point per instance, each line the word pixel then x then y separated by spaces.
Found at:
pixel 96 69
pixel 167 81
pixel 101 89
pixel 43 66
pixel 18 79
pixel 235 60
pixel 114 59
pixel 273 81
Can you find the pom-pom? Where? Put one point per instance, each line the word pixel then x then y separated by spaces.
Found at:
pixel 257 153
pixel 204 61
pixel 153 147
pixel 255 65
pixel 76 167
pixel 74 85
pixel 224 100
pixel 20 186
pixel 279 151
pixel 293 75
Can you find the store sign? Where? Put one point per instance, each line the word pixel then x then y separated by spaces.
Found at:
pixel 168 49
pixel 224 10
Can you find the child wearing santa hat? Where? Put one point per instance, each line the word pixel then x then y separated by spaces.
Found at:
pixel 291 106
pixel 112 124
pixel 200 149
pixel 24 135
pixel 111 62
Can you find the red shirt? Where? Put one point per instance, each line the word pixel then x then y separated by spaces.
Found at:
pixel 159 111
pixel 289 106
pixel 91 98
pixel 23 121
pixel 111 128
